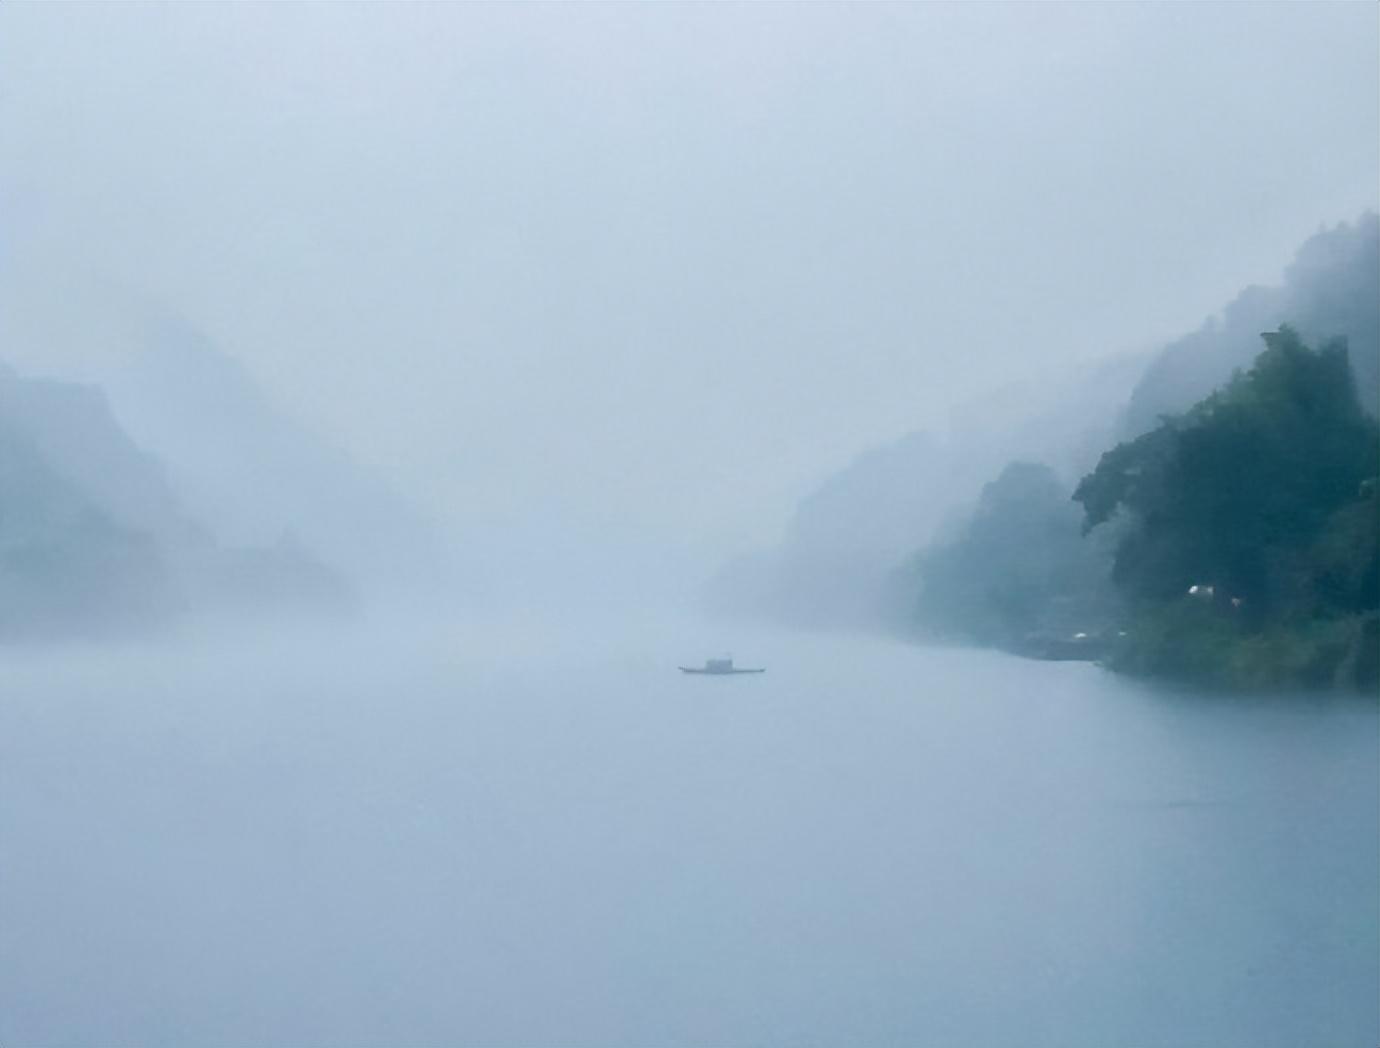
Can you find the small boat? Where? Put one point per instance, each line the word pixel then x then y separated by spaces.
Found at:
pixel 719 668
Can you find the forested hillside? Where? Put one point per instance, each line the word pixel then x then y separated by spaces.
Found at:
pixel 1250 547
pixel 1251 483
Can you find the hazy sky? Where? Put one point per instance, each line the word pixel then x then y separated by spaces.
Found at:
pixel 662 267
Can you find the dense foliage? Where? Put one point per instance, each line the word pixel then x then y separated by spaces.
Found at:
pixel 1249 527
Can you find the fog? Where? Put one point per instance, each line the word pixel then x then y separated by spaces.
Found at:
pixel 393 397
pixel 658 270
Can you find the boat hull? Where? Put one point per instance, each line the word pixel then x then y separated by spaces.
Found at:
pixel 716 673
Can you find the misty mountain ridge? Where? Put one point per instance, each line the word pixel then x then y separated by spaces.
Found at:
pixel 842 558
pixel 66 567
pixel 1229 538
pixel 839 555
pixel 94 539
pixel 172 437
pixel 1330 289
pixel 71 425
pixel 241 461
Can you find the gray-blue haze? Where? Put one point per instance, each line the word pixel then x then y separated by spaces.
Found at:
pixel 652 271
pixel 519 835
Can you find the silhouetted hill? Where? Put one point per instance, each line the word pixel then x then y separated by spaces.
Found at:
pixel 243 463
pixel 841 561
pixel 70 425
pixel 843 539
pixel 1019 573
pixel 838 560
pixel 93 537
pixel 68 566
pixel 986 583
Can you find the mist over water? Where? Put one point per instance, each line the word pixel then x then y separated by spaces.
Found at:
pixel 528 833
pixel 393 397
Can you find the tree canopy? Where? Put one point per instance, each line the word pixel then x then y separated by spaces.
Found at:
pixel 1249 527
pixel 1237 491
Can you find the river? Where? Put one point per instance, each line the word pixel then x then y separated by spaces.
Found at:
pixel 537 835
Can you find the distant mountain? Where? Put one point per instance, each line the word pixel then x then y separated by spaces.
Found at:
pixel 66 567
pixel 1020 571
pixel 893 475
pixel 244 464
pixel 1332 288
pixel 1249 453
pixel 837 562
pixel 93 537
pixel 843 539
pixel 70 425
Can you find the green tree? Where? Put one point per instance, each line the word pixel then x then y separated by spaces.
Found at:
pixel 1265 492
pixel 1232 492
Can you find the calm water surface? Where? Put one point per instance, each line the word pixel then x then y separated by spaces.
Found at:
pixel 533 836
